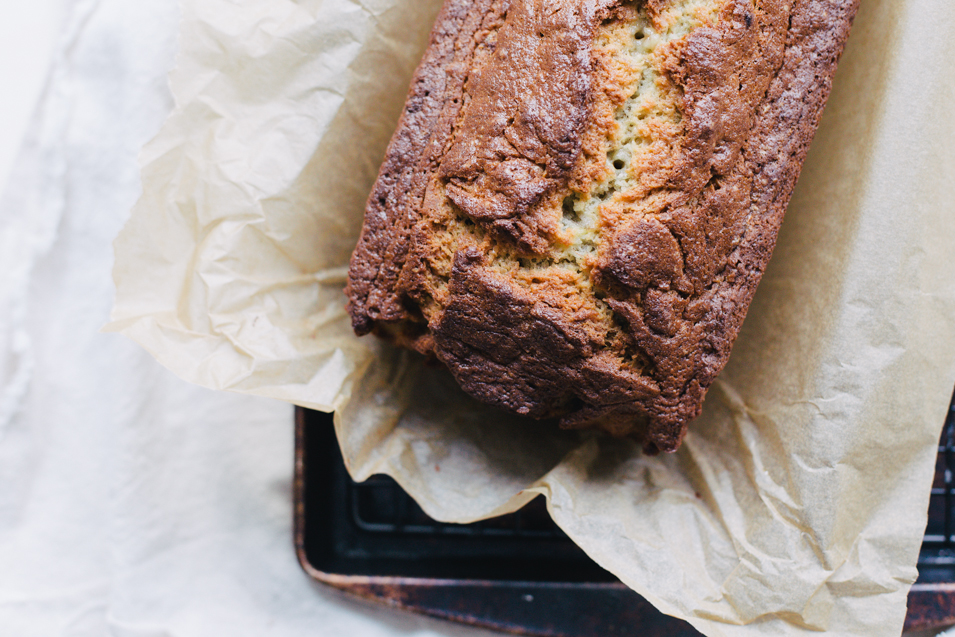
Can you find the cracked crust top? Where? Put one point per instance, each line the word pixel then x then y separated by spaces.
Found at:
pixel 582 195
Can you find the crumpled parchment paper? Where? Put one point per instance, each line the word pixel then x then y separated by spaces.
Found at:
pixel 798 500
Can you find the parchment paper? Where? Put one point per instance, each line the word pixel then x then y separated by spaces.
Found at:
pixel 798 500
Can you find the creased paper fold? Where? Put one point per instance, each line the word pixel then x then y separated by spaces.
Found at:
pixel 798 500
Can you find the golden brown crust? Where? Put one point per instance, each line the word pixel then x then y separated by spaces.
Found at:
pixel 415 151
pixel 578 205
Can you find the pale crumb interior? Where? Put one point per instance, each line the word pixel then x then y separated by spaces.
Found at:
pixel 645 107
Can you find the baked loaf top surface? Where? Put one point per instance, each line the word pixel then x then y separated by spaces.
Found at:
pixel 581 197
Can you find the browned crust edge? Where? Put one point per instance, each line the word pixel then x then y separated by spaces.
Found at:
pixel 413 154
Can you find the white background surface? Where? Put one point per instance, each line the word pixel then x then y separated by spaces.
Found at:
pixel 27 37
pixel 131 503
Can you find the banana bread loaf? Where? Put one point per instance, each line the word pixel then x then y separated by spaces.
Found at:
pixel 582 196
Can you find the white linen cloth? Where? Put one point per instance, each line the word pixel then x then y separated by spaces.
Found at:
pixel 132 504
